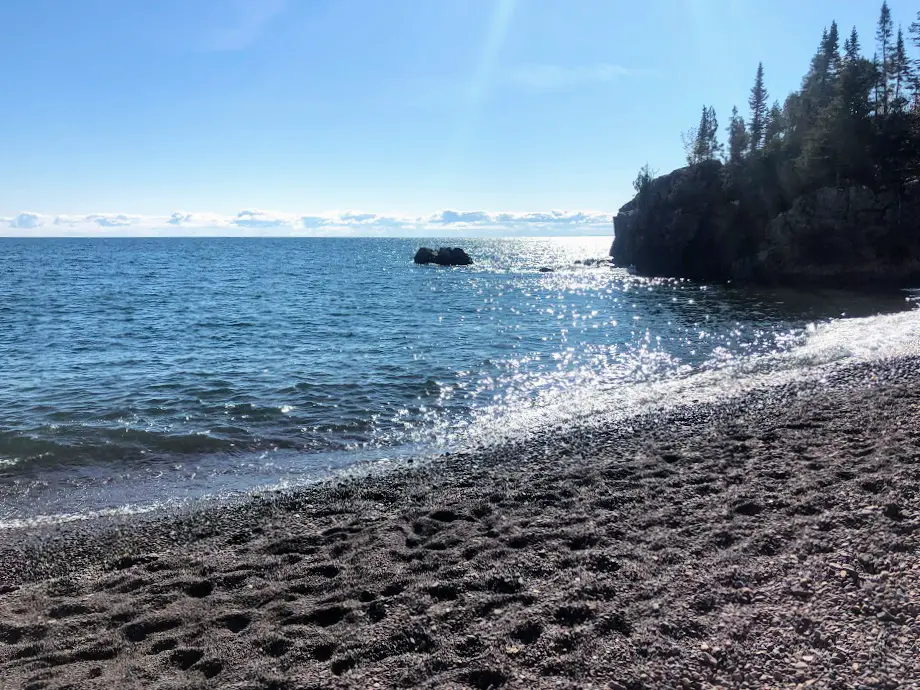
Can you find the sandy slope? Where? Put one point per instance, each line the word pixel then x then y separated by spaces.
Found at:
pixel 767 542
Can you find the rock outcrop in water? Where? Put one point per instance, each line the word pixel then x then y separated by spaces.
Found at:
pixel 700 222
pixel 445 256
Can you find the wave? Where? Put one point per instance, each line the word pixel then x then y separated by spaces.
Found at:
pixel 824 348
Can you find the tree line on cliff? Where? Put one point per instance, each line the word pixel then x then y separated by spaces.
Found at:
pixel 854 121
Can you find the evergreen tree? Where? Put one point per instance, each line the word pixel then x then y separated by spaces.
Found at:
pixel 851 46
pixel 903 74
pixel 776 125
pixel 858 77
pixel 883 36
pixel 644 179
pixel 831 46
pixel 712 144
pixel 914 31
pixel 818 85
pixel 706 145
pixel 851 122
pixel 737 138
pixel 758 105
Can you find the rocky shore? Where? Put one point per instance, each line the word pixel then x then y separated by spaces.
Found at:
pixel 714 222
pixel 769 541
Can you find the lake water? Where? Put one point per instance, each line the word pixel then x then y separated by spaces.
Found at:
pixel 143 372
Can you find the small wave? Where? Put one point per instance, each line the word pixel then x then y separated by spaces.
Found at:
pixel 36 521
pixel 825 347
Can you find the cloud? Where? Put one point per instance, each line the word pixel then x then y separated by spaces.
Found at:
pixel 179 218
pixel 453 217
pixel 112 221
pixel 309 222
pixel 548 77
pixel 357 217
pixel 506 219
pixel 103 220
pixel 184 219
pixel 560 217
pixel 25 221
pixel 335 223
pixel 261 219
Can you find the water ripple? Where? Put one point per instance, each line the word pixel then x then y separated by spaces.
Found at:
pixel 255 361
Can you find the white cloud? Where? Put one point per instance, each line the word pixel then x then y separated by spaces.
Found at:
pixel 103 220
pixel 571 218
pixel 119 220
pixel 179 218
pixel 25 221
pixel 454 217
pixel 309 222
pixel 184 219
pixel 547 77
pixel 341 223
pixel 262 219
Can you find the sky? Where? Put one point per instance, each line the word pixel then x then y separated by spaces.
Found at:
pixel 363 117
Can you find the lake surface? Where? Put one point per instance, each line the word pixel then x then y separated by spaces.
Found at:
pixel 142 372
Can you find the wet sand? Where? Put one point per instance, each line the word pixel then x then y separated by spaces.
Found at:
pixel 768 541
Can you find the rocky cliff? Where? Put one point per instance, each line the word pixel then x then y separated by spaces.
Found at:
pixel 699 223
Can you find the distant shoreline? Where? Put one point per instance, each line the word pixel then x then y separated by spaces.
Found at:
pixel 767 539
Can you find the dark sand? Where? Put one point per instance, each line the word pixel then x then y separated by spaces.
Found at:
pixel 766 542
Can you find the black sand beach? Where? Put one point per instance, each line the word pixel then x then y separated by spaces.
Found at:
pixel 766 542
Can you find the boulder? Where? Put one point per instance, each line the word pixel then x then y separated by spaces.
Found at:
pixel 424 256
pixel 445 256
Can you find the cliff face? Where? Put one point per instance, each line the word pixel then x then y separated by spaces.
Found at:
pixel 694 223
pixel 679 226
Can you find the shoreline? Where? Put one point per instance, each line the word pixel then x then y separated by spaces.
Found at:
pixel 765 541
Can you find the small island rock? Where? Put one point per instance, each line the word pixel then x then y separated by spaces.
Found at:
pixel 445 256
pixel 424 256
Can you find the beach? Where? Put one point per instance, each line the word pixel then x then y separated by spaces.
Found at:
pixel 766 541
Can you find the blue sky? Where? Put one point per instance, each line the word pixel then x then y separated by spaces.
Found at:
pixel 371 116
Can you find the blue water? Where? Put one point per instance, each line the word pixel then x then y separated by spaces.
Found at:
pixel 151 370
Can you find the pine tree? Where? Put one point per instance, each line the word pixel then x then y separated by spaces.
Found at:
pixel 758 105
pixel 737 137
pixel 914 31
pixel 878 90
pixel 817 86
pixel 644 179
pixel 705 144
pixel 775 125
pixel 712 135
pixel 853 121
pixel 851 46
pixel 883 36
pixel 695 143
pixel 857 79
pixel 831 45
pixel 903 74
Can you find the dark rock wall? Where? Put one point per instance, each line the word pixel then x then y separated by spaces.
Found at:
pixel 697 223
